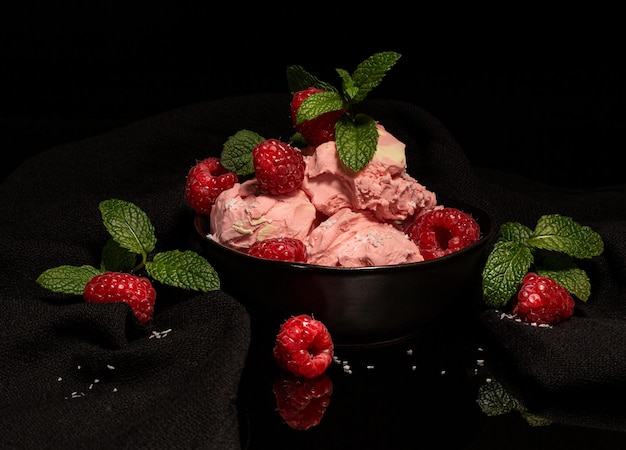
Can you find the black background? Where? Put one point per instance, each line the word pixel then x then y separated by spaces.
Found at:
pixel 548 107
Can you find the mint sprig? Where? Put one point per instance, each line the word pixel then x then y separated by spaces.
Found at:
pixel 495 400
pixel 355 134
pixel 132 242
pixel 551 250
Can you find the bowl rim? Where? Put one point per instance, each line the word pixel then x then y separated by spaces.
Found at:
pixel 200 220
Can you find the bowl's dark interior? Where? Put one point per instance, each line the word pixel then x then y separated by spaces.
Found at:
pixel 360 306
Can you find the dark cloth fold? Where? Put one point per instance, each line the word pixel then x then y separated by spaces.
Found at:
pixel 75 376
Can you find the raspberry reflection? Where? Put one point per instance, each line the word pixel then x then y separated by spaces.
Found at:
pixel 302 402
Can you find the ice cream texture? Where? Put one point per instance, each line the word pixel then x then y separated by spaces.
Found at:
pixel 383 186
pixel 356 238
pixel 245 213
pixel 344 218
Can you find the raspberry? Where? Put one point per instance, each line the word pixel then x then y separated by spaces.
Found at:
pixel 278 167
pixel 304 346
pixel 302 402
pixel 205 181
pixel 443 231
pixel 542 300
pixel 315 131
pixel 136 292
pixel 281 249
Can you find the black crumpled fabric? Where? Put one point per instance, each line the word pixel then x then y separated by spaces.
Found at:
pixel 74 375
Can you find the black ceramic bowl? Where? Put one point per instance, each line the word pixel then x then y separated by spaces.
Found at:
pixel 361 306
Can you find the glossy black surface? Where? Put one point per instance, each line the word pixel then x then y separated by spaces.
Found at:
pixel 424 392
pixel 423 388
pixel 362 306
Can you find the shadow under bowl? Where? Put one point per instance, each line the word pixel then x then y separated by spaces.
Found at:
pixel 362 306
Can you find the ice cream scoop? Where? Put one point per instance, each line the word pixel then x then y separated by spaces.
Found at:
pixel 245 214
pixel 357 239
pixel 383 186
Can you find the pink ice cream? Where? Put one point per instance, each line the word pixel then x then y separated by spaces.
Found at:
pixel 360 213
pixel 356 238
pixel 383 186
pixel 245 213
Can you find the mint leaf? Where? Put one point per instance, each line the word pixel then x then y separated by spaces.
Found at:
pixel 504 270
pixel 494 400
pixel 296 140
pixel 369 74
pixel 514 232
pixel 562 234
pixel 356 141
pixel 128 225
pixel 184 269
pixel 564 271
pixel 348 86
pixel 549 251
pixel 298 79
pixel 237 152
pixel 117 259
pixel 67 279
pixel 317 104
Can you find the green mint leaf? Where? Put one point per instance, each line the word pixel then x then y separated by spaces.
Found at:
pixel 565 272
pixel 298 79
pixel 562 234
pixel 514 232
pixel 117 259
pixel 67 279
pixel 574 280
pixel 494 400
pixel 504 270
pixel 237 152
pixel 317 104
pixel 534 420
pixel 370 73
pixel 184 269
pixel 128 225
pixel 356 140
pixel 348 86
pixel 296 140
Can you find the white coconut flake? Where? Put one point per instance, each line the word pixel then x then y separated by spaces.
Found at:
pixel 159 334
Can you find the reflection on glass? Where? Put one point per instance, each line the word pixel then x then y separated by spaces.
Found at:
pixel 302 402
